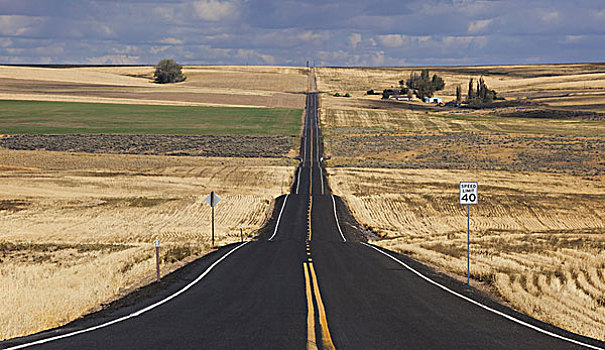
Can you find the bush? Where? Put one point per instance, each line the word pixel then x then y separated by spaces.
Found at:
pixel 168 71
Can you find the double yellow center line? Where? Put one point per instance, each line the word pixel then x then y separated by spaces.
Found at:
pixel 313 293
pixel 311 284
pixel 312 289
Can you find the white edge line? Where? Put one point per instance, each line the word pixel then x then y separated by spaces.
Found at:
pixel 511 318
pixel 321 175
pixel 279 217
pixel 134 314
pixel 304 148
pixel 298 181
pixel 337 223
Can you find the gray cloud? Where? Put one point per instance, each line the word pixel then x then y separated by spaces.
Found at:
pixel 290 32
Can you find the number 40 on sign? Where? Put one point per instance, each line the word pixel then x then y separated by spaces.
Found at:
pixel 469 193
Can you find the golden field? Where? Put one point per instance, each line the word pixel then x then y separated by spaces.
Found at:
pixel 538 233
pixel 243 86
pixel 537 239
pixel 96 216
pixel 559 85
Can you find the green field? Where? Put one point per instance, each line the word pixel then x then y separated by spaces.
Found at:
pixel 34 117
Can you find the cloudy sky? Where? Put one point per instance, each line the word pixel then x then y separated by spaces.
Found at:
pixel 290 32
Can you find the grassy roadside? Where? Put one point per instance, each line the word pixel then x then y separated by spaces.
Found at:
pixel 36 117
pixel 65 215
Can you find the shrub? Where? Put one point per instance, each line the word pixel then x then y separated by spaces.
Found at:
pixel 168 71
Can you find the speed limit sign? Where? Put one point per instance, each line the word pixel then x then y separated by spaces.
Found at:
pixel 469 193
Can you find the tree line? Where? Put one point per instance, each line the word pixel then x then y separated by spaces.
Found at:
pixel 424 85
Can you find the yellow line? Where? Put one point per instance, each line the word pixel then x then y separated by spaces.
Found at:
pixel 310 186
pixel 326 339
pixel 311 342
pixel 309 218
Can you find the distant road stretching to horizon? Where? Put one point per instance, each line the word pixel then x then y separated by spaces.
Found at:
pixel 308 282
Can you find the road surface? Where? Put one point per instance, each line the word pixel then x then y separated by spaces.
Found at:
pixel 308 282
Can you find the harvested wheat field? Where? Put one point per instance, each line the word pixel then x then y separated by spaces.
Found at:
pixel 250 86
pixel 563 83
pixel 537 240
pixel 538 233
pixel 96 216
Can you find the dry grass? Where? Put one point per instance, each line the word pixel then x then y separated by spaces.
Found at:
pixel 276 87
pixel 536 240
pixel 95 216
pixel 536 82
pixel 409 139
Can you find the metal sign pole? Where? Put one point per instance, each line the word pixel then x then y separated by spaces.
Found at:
pixel 241 234
pixel 468 244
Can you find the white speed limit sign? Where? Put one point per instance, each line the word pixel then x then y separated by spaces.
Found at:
pixel 469 193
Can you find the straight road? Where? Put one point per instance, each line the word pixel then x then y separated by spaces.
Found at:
pixel 309 282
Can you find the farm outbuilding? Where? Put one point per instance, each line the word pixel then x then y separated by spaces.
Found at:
pixel 432 100
pixel 399 97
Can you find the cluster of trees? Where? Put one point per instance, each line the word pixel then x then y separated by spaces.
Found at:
pixel 422 85
pixel 425 85
pixel 478 93
pixel 168 71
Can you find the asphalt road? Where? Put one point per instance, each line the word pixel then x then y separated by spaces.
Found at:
pixel 309 281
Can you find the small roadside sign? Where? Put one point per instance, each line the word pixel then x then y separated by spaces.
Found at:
pixel 469 193
pixel 212 199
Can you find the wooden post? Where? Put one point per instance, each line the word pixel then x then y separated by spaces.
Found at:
pixel 212 205
pixel 157 258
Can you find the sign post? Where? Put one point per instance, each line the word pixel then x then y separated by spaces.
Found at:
pixel 469 195
pixel 212 200
pixel 157 258
pixel 241 234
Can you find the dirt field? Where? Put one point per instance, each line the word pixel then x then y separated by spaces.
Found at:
pixel 399 139
pixel 66 214
pixel 178 145
pixel 538 231
pixel 250 86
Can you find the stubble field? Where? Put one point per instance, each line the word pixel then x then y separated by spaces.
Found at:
pixel 95 216
pixel 249 86
pixel 98 162
pixel 538 233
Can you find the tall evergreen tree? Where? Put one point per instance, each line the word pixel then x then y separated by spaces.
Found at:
pixel 471 92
